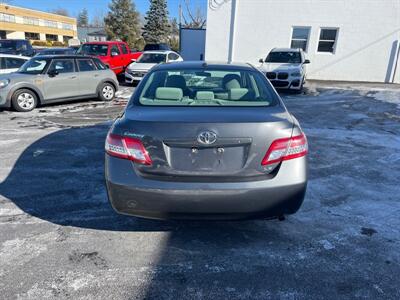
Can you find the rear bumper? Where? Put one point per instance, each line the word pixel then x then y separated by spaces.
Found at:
pixel 134 195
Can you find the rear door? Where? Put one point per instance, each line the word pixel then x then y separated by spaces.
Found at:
pixel 126 58
pixel 116 59
pixel 64 83
pixel 89 76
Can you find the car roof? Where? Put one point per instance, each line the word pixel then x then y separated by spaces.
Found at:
pixel 158 51
pixel 229 66
pixel 285 50
pixel 14 56
pixel 65 56
pixel 12 40
pixel 56 48
pixel 103 42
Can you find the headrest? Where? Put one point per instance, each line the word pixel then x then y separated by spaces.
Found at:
pixel 240 94
pixel 176 81
pixel 168 93
pixel 231 81
pixel 205 95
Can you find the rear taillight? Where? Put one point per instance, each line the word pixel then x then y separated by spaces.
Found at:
pixel 285 149
pixel 127 148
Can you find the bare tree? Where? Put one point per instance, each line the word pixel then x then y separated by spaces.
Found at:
pixel 60 11
pixel 192 19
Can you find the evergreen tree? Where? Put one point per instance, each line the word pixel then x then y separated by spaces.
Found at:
pixel 83 19
pixel 122 21
pixel 157 27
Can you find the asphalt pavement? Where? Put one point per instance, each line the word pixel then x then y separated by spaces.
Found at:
pixel 59 237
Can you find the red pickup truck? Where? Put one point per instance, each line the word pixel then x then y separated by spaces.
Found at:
pixel 116 55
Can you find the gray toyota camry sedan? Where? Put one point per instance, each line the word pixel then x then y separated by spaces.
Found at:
pixel 206 141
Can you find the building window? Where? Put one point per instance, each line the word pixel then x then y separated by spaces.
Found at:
pixel 31 21
pixel 66 39
pixel 67 26
pixel 51 24
pixel 327 40
pixel 300 37
pixel 51 37
pixel 7 18
pixel 34 36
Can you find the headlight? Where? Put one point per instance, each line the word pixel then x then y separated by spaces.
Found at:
pixel 4 83
pixel 295 74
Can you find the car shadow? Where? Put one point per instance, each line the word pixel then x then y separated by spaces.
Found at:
pixel 60 178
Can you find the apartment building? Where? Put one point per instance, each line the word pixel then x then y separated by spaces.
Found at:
pixel 23 23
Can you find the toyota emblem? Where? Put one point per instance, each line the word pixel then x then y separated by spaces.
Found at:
pixel 207 138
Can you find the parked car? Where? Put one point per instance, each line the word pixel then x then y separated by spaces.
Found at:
pixel 16 47
pixel 152 47
pixel 138 69
pixel 116 55
pixel 285 68
pixel 11 63
pixel 201 140
pixel 56 51
pixel 48 79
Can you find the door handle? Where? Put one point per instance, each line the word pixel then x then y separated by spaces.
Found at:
pixel 72 77
pixel 96 75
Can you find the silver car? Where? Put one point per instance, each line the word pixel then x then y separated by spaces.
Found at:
pixel 200 140
pixel 56 78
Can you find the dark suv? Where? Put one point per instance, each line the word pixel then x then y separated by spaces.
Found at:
pixel 17 47
pixel 152 47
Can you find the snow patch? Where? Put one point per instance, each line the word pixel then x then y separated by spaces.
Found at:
pixel 387 96
pixel 327 245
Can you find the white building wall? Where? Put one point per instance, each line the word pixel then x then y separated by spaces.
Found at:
pixel 368 30
pixel 15 35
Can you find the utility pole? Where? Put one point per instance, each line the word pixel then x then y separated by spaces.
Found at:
pixel 180 24
pixel 231 50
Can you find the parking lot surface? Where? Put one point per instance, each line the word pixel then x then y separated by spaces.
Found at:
pixel 59 237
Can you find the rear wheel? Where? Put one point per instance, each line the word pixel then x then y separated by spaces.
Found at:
pixel 24 100
pixel 107 92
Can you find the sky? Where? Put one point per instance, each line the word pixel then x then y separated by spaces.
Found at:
pixel 96 7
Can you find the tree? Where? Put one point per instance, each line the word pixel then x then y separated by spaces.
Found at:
pixel 157 27
pixel 193 20
pixel 83 18
pixel 98 19
pixel 174 27
pixel 122 21
pixel 60 11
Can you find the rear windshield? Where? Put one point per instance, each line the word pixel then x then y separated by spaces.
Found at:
pixel 152 58
pixel 206 87
pixel 93 49
pixel 284 57
pixel 34 66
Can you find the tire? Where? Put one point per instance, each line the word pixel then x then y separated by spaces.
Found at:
pixel 106 92
pixel 24 100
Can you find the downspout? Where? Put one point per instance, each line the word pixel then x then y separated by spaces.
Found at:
pixel 231 50
pixel 396 61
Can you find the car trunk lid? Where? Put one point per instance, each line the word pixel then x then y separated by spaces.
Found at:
pixel 205 142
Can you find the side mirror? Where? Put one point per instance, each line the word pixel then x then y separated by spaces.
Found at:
pixel 53 73
pixel 261 60
pixel 306 61
pixel 133 60
pixel 114 54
